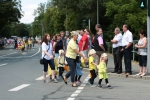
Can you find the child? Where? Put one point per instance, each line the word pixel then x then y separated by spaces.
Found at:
pixel 78 70
pixel 92 67
pixel 61 63
pixel 102 71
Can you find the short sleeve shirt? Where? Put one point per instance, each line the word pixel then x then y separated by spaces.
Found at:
pixel 100 40
pixel 127 37
pixel 118 38
pixel 45 48
pixel 83 39
pixel 91 66
pixel 70 49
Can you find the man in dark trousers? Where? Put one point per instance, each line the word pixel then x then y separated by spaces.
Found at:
pixel 127 41
pixel 117 46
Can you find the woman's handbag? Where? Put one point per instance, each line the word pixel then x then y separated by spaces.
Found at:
pixel 42 59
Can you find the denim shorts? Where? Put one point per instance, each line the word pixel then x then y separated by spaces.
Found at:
pixel 142 60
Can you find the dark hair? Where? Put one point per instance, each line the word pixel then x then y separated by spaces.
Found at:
pixel 90 33
pixel 44 39
pixel 98 25
pixel 143 32
pixel 125 25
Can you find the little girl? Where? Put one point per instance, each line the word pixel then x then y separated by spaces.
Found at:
pixel 78 70
pixel 92 67
pixel 102 71
pixel 61 63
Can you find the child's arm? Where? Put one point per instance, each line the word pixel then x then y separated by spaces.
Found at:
pixel 94 64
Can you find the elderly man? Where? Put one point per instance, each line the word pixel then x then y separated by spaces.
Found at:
pixel 127 41
pixel 116 44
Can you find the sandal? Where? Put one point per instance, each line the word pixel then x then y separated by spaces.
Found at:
pixel 65 80
pixel 139 74
pixel 143 74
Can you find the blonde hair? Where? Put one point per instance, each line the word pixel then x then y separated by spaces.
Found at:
pixel 92 51
pixel 117 29
pixel 60 52
pixel 73 33
pixel 102 56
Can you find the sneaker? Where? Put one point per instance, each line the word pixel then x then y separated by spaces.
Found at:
pixel 92 85
pixel 44 81
pixel 99 86
pixel 109 86
pixel 89 82
pixel 55 80
pixel 79 81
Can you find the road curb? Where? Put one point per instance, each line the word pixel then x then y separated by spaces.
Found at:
pixel 122 75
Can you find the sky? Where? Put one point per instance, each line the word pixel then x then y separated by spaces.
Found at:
pixel 28 7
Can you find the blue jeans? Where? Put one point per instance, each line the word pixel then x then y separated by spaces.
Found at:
pixel 72 65
pixel 78 69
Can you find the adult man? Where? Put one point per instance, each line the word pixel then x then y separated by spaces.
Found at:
pixel 62 34
pixel 97 26
pixel 117 41
pixel 83 43
pixel 127 41
pixel 98 45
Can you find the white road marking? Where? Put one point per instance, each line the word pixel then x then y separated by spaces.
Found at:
pixel 19 87
pixel 8 54
pixel 3 64
pixel 24 53
pixel 76 93
pixel 23 56
pixel 41 78
pixel 70 98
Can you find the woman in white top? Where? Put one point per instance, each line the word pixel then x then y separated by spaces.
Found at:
pixel 47 56
pixel 142 52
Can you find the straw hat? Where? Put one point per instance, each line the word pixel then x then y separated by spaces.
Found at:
pixel 74 33
pixel 61 51
pixel 92 51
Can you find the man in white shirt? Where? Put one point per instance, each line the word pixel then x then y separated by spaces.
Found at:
pixel 127 41
pixel 116 43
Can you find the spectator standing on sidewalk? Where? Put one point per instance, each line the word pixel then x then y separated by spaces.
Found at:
pixel 142 52
pixel 116 43
pixel 127 41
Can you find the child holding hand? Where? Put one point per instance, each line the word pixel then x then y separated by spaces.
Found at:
pixel 92 67
pixel 102 71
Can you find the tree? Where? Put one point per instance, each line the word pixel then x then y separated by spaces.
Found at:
pixel 10 12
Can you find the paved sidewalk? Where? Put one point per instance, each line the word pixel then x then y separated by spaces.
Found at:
pixel 135 69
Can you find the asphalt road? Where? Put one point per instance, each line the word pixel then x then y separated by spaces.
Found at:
pixel 21 79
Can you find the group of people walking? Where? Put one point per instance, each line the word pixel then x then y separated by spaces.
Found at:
pixel 83 46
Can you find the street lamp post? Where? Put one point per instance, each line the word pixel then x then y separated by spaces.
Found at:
pixel 97 11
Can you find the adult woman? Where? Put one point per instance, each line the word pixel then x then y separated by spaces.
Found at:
pixel 89 34
pixel 142 52
pixel 47 56
pixel 71 54
pixel 58 45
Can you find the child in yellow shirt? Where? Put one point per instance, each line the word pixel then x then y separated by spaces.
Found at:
pixel 102 70
pixel 92 67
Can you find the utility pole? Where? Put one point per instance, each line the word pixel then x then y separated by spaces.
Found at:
pixel 148 36
pixel 97 11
